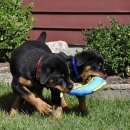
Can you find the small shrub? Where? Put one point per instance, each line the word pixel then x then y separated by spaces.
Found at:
pixel 15 21
pixel 114 45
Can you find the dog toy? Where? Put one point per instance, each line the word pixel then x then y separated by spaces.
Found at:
pixel 93 85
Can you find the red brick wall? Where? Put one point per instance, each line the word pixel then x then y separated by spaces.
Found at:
pixel 65 19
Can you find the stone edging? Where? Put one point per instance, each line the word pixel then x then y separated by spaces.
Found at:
pixel 7 78
pixel 116 87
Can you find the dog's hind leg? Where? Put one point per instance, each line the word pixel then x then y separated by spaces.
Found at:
pixel 16 105
pixel 18 101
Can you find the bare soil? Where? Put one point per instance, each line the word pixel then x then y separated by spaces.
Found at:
pixel 4 68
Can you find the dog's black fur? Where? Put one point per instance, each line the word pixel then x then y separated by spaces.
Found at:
pixel 52 73
pixel 89 58
pixel 89 63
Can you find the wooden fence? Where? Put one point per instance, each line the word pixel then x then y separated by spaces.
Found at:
pixel 65 19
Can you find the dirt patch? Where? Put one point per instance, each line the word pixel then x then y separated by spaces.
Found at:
pixel 4 68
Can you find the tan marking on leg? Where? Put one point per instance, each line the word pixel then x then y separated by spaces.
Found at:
pixel 36 101
pixel 24 81
pixel 57 111
pixel 63 102
pixel 16 105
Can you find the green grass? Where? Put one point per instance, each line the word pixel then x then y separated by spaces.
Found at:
pixel 103 115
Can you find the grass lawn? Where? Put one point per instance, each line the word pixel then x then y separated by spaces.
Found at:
pixel 103 115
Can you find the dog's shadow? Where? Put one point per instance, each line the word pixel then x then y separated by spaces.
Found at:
pixel 75 109
pixel 6 97
pixel 7 100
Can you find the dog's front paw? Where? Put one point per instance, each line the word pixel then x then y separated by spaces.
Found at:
pixel 44 108
pixel 57 111
pixel 13 112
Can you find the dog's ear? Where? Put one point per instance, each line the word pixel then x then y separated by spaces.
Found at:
pixel 63 55
pixel 44 73
pixel 42 37
pixel 82 58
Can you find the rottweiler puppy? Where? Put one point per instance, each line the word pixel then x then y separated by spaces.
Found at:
pixel 33 67
pixel 83 66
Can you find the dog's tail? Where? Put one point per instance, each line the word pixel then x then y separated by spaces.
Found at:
pixel 42 37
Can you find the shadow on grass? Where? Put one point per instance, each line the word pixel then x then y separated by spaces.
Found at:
pixel 75 109
pixel 7 100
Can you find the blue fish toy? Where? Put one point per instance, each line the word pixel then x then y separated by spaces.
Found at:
pixel 93 85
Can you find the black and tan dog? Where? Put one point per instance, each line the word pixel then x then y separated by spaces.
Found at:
pixel 83 66
pixel 33 67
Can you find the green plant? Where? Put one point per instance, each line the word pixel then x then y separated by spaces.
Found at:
pixel 114 45
pixel 15 22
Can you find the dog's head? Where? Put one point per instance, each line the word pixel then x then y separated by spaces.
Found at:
pixel 90 63
pixel 54 73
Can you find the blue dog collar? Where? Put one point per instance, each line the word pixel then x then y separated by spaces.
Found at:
pixel 75 68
